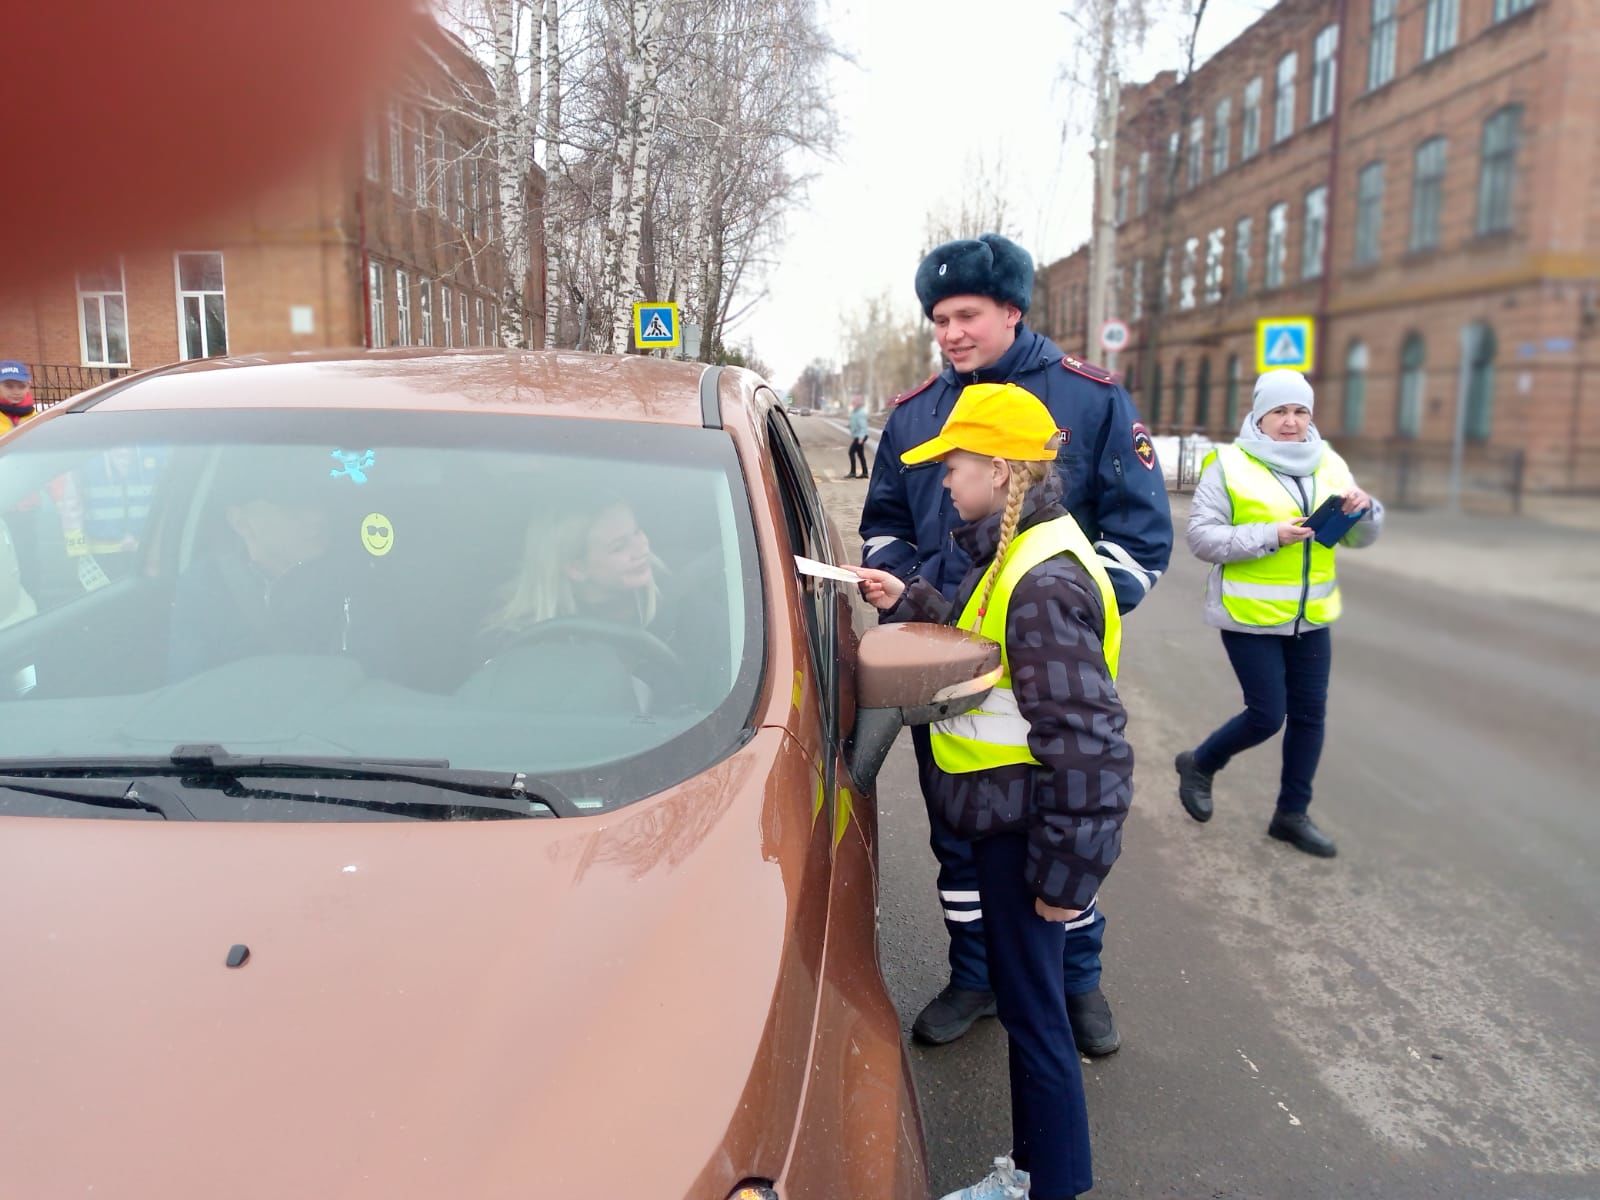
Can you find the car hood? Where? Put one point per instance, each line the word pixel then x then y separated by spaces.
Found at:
pixel 532 1008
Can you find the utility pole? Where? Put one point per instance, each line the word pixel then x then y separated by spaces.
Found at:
pixel 1103 249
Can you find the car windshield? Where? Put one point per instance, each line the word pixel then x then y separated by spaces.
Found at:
pixel 577 600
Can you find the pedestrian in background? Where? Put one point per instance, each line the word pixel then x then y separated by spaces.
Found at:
pixel 16 394
pixel 976 292
pixel 1038 778
pixel 858 438
pixel 1273 592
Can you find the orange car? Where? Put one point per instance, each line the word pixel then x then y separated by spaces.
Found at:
pixel 429 775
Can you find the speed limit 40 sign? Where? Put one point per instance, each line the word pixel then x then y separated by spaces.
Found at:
pixel 1113 335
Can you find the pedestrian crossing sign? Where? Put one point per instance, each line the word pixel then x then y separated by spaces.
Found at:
pixel 655 325
pixel 1284 342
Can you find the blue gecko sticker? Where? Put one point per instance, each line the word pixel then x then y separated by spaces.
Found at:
pixel 355 466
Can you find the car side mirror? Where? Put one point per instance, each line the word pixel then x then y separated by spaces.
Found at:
pixel 914 674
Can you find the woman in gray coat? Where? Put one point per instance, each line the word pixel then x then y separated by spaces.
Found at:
pixel 1273 593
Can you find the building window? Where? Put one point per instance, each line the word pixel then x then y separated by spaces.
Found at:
pixel 103 316
pixel 1230 411
pixel 1369 213
pixel 472 197
pixel 462 309
pixel 1355 388
pixel 397 159
pixel 1221 134
pixel 1480 385
pixel 1216 249
pixel 425 311
pixel 1191 268
pixel 1241 256
pixel 458 188
pixel 477 313
pixel 1324 73
pixel 1202 395
pixel 1314 237
pixel 372 152
pixel 494 325
pixel 1197 152
pixel 1138 289
pixel 1155 396
pixel 1413 381
pixel 1427 194
pixel 1178 383
pixel 202 306
pixel 402 307
pixel 1142 199
pixel 1166 279
pixel 1277 243
pixel 419 162
pixel 1510 8
pixel 1283 103
pixel 441 170
pixel 1122 195
pixel 445 321
pixel 1250 127
pixel 380 326
pixel 1498 169
pixel 1439 27
pixel 1174 142
pixel 1380 49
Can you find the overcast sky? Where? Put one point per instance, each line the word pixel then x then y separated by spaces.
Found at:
pixel 932 84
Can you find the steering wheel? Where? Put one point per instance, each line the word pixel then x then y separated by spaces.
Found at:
pixel 637 647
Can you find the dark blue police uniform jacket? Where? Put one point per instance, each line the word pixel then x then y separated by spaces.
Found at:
pixel 1113 485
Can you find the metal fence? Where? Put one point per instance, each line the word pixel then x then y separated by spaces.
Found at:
pixel 52 384
pixel 1401 473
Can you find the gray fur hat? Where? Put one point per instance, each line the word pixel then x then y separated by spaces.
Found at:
pixel 989 265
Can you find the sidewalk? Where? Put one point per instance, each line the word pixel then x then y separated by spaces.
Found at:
pixel 1550 555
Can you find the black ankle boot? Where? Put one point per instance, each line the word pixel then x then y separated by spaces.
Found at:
pixel 1194 787
pixel 1302 833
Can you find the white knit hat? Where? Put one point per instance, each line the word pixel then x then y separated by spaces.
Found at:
pixel 1277 388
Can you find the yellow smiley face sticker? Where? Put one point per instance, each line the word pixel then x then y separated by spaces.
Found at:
pixel 377 534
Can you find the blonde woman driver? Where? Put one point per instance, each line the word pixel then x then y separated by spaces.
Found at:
pixel 592 565
pixel 1039 778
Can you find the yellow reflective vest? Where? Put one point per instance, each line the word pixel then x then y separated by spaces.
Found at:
pixel 1294 581
pixel 995 734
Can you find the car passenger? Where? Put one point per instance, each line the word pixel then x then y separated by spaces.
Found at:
pixel 272 589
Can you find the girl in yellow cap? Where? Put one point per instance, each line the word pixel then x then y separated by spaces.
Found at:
pixel 1039 777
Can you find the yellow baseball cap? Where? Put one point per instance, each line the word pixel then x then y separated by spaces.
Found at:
pixel 999 420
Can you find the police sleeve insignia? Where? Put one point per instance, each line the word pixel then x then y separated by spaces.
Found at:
pixel 1143 446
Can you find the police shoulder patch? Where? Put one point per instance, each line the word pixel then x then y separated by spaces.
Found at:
pixel 1143 447
pixel 1087 370
pixel 918 390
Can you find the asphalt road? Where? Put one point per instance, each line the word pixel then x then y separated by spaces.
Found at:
pixel 1419 1017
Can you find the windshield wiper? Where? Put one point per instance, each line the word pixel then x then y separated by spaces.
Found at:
pixel 510 792
pixel 102 793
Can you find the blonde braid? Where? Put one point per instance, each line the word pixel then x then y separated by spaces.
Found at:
pixel 1024 475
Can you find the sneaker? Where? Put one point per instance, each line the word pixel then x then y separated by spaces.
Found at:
pixel 1194 787
pixel 1094 1029
pixel 1005 1182
pixel 950 1014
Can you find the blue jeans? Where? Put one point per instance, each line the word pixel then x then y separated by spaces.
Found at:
pixel 1049 1115
pixel 963 911
pixel 1283 678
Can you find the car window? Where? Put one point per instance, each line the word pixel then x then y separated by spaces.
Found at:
pixel 575 600
pixel 808 533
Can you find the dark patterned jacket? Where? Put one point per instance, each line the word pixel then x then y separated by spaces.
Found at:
pixel 1072 805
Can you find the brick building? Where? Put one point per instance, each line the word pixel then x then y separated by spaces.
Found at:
pixel 1421 178
pixel 391 239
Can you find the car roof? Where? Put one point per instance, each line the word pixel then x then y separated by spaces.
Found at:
pixel 539 382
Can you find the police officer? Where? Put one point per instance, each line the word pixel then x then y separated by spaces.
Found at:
pixel 976 293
